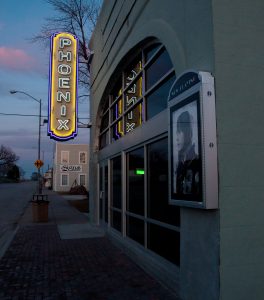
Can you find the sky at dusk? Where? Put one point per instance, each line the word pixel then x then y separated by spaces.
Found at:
pixel 24 66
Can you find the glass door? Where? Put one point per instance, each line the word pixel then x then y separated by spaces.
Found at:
pixel 103 192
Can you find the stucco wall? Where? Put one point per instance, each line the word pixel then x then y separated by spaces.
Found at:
pixel 239 66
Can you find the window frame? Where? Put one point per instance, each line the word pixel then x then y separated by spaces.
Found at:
pixel 110 103
pixel 67 176
pixel 68 156
pixel 82 174
pixel 85 156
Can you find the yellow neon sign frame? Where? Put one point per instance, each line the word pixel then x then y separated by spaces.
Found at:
pixel 63 86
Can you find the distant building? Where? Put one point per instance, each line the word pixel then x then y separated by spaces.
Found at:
pixel 48 178
pixel 71 164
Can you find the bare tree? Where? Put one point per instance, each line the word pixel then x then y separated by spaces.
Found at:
pixel 7 156
pixel 77 17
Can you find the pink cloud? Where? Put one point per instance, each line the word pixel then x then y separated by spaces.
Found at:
pixel 16 59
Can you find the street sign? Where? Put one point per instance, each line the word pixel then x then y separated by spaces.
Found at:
pixel 38 163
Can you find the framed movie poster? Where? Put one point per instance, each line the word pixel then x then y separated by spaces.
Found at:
pixel 192 141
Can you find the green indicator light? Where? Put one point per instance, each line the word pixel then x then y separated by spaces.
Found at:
pixel 140 172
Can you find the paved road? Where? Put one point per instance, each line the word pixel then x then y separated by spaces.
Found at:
pixel 14 198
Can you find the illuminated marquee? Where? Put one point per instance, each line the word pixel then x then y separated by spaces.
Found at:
pixel 133 92
pixel 63 86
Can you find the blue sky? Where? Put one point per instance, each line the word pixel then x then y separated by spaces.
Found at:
pixel 24 67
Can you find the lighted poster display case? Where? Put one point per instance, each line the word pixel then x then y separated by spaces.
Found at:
pixel 192 141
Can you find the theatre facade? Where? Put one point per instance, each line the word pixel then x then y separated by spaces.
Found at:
pixel 173 102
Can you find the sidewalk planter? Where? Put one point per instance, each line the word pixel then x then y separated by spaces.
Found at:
pixel 40 208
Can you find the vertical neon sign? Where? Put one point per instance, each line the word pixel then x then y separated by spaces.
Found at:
pixel 63 83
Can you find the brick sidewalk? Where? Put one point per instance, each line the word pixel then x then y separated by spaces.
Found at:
pixel 39 265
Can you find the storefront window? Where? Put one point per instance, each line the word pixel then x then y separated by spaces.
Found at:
pixel 117 110
pixel 117 130
pixel 116 220
pixel 116 193
pixel 104 139
pixel 158 207
pixel 135 181
pixel 134 118
pixel 145 80
pixel 158 68
pixel 132 71
pixel 105 122
pixel 116 199
pixel 157 100
pixel 117 90
pixel 165 242
pixel 135 229
pixel 150 51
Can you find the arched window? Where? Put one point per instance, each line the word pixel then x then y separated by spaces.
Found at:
pixel 140 92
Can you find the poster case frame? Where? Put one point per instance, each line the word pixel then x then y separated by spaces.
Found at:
pixel 193 94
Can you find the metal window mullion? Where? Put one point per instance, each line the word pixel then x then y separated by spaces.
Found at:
pixel 164 225
pixel 136 216
pixel 133 81
pixel 127 186
pixel 144 106
pixel 97 209
pixel 124 186
pixel 159 82
pixel 145 197
pixel 133 106
pixel 104 131
pixel 109 180
pixel 150 61
pixel 109 120
pixel 116 121
pixel 111 105
pixel 123 104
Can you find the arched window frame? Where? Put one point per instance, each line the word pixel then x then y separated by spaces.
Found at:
pixel 147 56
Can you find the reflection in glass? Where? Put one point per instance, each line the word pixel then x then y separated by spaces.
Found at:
pixel 133 93
pixel 117 91
pixel 103 140
pixel 165 242
pixel 117 130
pixel 133 119
pixel 101 189
pixel 158 207
pixel 150 51
pixel 106 193
pixel 132 71
pixel 104 122
pixel 135 229
pixel 158 68
pixel 116 220
pixel 116 198
pixel 157 100
pixel 117 109
pixel 135 181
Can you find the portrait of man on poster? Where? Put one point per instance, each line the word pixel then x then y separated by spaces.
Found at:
pixel 186 153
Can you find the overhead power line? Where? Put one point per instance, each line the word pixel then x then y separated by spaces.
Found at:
pixel 23 115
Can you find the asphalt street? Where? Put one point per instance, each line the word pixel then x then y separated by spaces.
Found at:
pixel 14 198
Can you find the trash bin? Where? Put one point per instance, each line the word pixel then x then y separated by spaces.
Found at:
pixel 40 208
